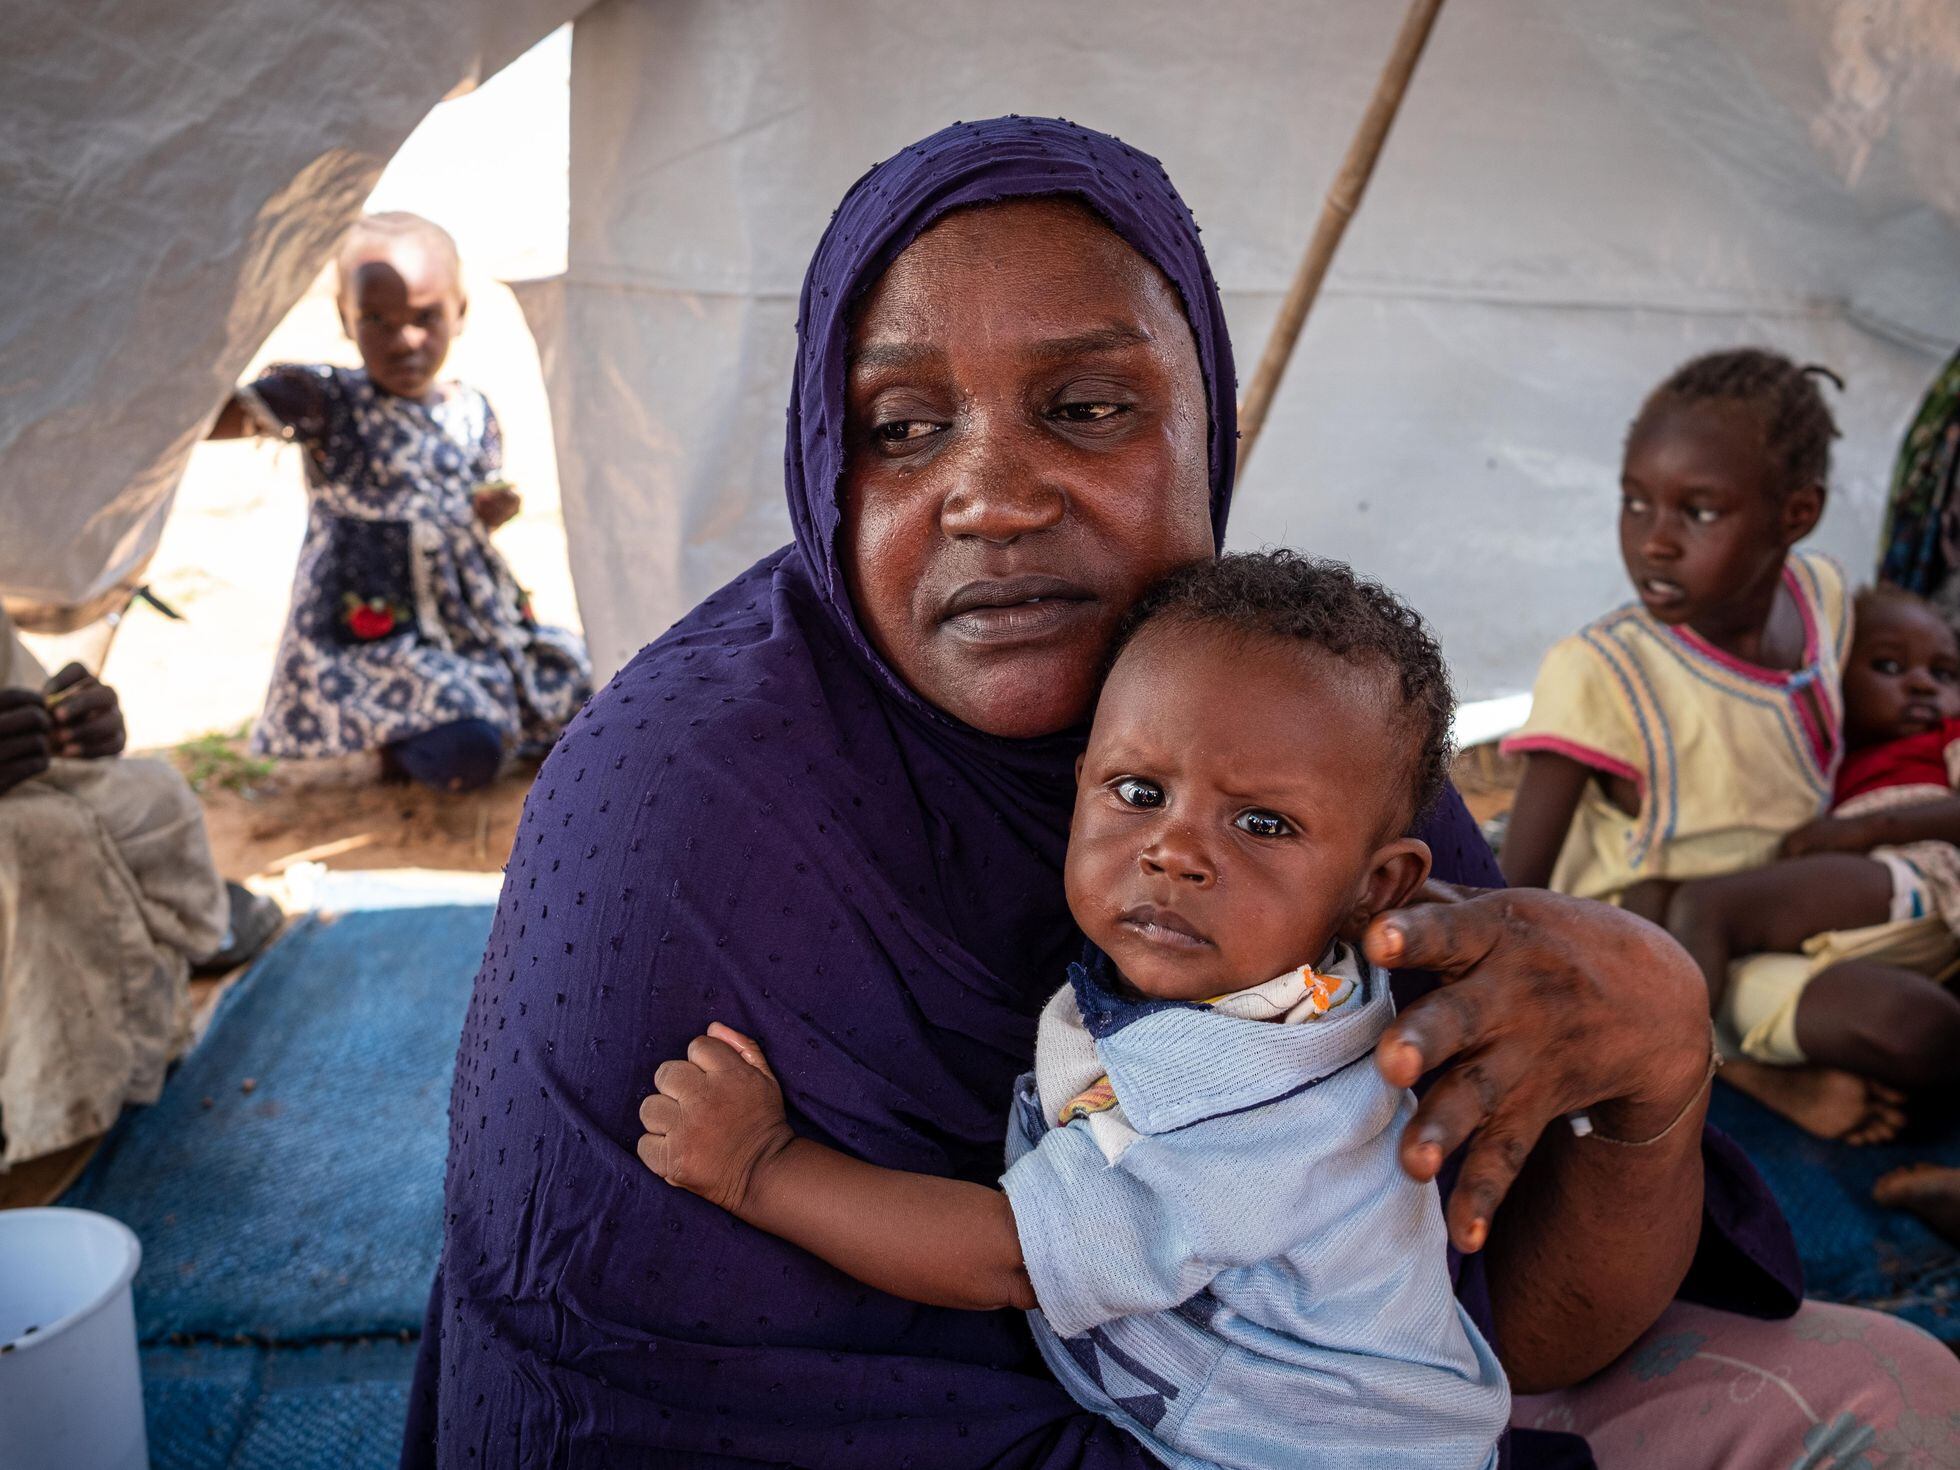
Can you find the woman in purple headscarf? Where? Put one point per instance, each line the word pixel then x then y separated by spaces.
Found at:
pixel 828 807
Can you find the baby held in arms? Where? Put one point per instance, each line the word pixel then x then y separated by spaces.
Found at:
pixel 1203 1211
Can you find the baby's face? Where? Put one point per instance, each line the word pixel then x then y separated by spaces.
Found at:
pixel 402 305
pixel 1237 807
pixel 1903 676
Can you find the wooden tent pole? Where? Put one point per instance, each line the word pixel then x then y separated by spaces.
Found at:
pixel 1343 198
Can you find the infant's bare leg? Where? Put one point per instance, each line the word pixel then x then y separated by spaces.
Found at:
pixel 1774 909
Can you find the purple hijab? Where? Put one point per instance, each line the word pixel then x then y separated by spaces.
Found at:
pixel 756 821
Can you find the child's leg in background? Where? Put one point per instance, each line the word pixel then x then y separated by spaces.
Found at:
pixel 462 756
pixel 1883 1022
pixel 1775 908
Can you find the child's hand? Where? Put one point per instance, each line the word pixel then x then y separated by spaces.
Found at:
pixel 1829 834
pixel 496 502
pixel 714 1119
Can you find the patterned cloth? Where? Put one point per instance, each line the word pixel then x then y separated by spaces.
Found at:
pixel 404 617
pixel 1925 875
pixel 1728 756
pixel 1229 1261
pixel 1834 1388
pixel 1919 534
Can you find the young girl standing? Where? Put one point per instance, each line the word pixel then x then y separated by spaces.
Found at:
pixel 407 634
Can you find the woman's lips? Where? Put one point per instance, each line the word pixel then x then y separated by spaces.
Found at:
pixel 1165 928
pixel 1016 609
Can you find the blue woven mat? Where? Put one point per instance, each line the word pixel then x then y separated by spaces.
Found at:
pixel 310 1205
pixel 334 1407
pixel 1852 1250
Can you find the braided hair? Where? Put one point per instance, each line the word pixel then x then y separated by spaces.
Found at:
pixel 1797 424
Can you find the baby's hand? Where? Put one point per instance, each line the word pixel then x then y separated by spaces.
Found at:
pixel 496 502
pixel 1829 834
pixel 714 1119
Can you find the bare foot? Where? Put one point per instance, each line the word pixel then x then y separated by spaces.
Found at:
pixel 1930 1191
pixel 1821 1100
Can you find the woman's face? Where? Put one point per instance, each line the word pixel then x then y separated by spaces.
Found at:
pixel 1027 454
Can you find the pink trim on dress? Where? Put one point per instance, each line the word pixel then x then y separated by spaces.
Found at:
pixel 1585 755
pixel 1777 678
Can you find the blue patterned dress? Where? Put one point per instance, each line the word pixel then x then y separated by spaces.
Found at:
pixel 403 617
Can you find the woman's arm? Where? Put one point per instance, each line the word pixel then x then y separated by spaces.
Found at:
pixel 715 1127
pixel 1549 1006
pixel 1541 815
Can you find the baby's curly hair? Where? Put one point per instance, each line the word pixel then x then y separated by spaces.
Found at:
pixel 1797 424
pixel 1323 604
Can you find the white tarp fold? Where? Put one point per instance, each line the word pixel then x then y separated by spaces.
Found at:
pixel 174 176
pixel 1578 195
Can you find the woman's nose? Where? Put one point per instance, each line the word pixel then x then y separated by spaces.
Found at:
pixel 1177 855
pixel 997 495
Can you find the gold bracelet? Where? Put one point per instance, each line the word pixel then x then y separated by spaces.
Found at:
pixel 1582 1124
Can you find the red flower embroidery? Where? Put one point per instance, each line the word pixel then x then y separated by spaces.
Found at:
pixel 373 618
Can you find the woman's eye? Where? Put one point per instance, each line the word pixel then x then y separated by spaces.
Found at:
pixel 1089 413
pixel 899 431
pixel 1633 505
pixel 1135 791
pixel 1705 515
pixel 1262 824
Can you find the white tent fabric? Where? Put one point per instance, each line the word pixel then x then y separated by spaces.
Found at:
pixel 174 176
pixel 1578 195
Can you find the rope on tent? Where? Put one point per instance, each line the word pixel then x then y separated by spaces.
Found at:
pixel 1343 198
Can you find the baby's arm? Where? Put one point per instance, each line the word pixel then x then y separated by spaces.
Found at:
pixel 715 1127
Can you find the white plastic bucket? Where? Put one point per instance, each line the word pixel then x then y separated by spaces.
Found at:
pixel 71 1394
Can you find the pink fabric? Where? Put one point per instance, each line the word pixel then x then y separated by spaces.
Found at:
pixel 1830 1388
pixel 1776 677
pixel 1585 755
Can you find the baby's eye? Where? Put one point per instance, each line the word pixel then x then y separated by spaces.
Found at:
pixel 1946 675
pixel 1135 791
pixel 1887 666
pixel 1262 824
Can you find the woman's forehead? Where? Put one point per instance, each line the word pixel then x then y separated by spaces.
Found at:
pixel 1047 271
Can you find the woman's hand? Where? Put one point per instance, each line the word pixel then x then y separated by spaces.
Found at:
pixel 1830 834
pixel 714 1119
pixel 24 725
pixel 88 719
pixel 1549 1005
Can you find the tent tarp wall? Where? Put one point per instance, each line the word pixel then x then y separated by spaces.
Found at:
pixel 1578 195
pixel 174 177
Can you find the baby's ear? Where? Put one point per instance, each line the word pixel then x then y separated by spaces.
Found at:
pixel 1395 872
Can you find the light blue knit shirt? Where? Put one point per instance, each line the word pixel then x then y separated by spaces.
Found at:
pixel 1252 1281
